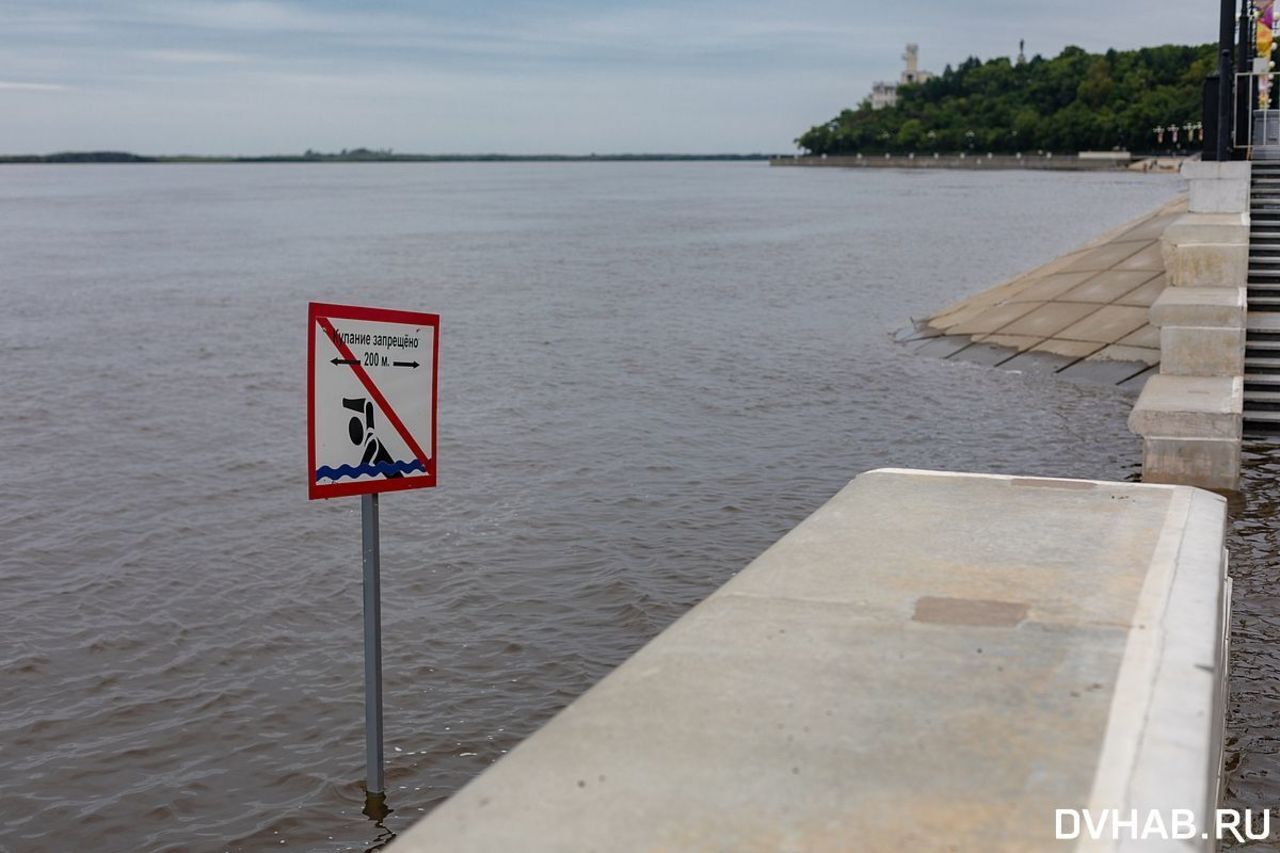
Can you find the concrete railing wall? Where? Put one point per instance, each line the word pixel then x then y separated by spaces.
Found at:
pixel 926 160
pixel 931 661
pixel 1190 415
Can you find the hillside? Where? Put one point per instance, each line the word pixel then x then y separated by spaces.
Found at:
pixel 1072 102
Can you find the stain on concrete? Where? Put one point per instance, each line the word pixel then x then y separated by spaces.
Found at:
pixel 969 611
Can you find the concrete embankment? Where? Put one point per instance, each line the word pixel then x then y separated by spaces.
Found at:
pixel 929 661
pixel 1082 316
pixel 1051 162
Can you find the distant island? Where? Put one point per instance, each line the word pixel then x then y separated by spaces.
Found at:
pixel 362 155
pixel 1076 101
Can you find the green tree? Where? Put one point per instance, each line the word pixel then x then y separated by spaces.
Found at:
pixel 1071 102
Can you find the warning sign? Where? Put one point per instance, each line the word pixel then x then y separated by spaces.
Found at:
pixel 371 400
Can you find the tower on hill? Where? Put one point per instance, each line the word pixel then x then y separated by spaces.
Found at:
pixel 885 94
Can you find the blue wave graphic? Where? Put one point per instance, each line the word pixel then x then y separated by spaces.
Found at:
pixel 383 468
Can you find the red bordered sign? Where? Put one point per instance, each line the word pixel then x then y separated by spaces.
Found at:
pixel 371 400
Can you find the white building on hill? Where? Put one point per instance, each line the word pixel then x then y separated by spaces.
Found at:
pixel 885 94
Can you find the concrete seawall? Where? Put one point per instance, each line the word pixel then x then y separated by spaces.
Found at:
pixel 1060 163
pixel 929 661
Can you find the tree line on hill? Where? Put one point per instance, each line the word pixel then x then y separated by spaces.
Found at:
pixel 1075 101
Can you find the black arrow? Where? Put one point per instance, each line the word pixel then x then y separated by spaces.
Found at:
pixel 405 363
pixel 345 361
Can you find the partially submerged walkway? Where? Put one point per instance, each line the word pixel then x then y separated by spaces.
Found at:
pixel 1082 316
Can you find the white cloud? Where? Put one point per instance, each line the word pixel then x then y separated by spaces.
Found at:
pixel 193 57
pixel 11 86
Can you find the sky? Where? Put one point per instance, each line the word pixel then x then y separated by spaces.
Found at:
pixel 513 76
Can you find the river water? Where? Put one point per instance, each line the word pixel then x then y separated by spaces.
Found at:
pixel 649 372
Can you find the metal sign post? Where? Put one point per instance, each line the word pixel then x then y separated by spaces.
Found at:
pixel 371 428
pixel 372 647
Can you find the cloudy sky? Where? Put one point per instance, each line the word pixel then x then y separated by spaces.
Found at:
pixel 573 76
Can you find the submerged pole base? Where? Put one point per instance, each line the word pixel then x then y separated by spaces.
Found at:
pixel 375 806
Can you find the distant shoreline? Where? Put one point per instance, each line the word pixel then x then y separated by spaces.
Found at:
pixel 366 156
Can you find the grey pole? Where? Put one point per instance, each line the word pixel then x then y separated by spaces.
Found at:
pixel 372 646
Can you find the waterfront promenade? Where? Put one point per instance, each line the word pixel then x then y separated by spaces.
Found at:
pixel 929 661
pixel 979 161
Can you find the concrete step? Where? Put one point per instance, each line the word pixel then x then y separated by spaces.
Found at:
pixel 1267 417
pixel 1262 381
pixel 1264 397
pixel 1261 323
pixel 1254 346
pixel 1265 260
pixel 1264 288
pixel 1259 364
pixel 1263 273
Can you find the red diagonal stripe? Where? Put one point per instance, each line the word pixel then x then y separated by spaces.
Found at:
pixel 367 382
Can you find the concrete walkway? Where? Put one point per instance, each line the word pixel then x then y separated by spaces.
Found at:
pixel 1082 316
pixel 930 661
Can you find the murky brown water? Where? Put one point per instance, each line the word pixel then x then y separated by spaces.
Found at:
pixel 1253 708
pixel 649 373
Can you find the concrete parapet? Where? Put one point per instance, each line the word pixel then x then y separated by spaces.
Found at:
pixel 1205 461
pixel 1202 330
pixel 1201 351
pixel 1190 416
pixel 1191 429
pixel 1189 407
pixel 1200 306
pixel 929 661
pixel 1207 250
pixel 1218 187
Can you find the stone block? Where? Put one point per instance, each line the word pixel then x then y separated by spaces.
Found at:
pixel 1239 170
pixel 1206 264
pixel 1199 407
pixel 1202 350
pixel 1200 306
pixel 1218 187
pixel 1208 228
pixel 1210 463
pixel 1219 196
